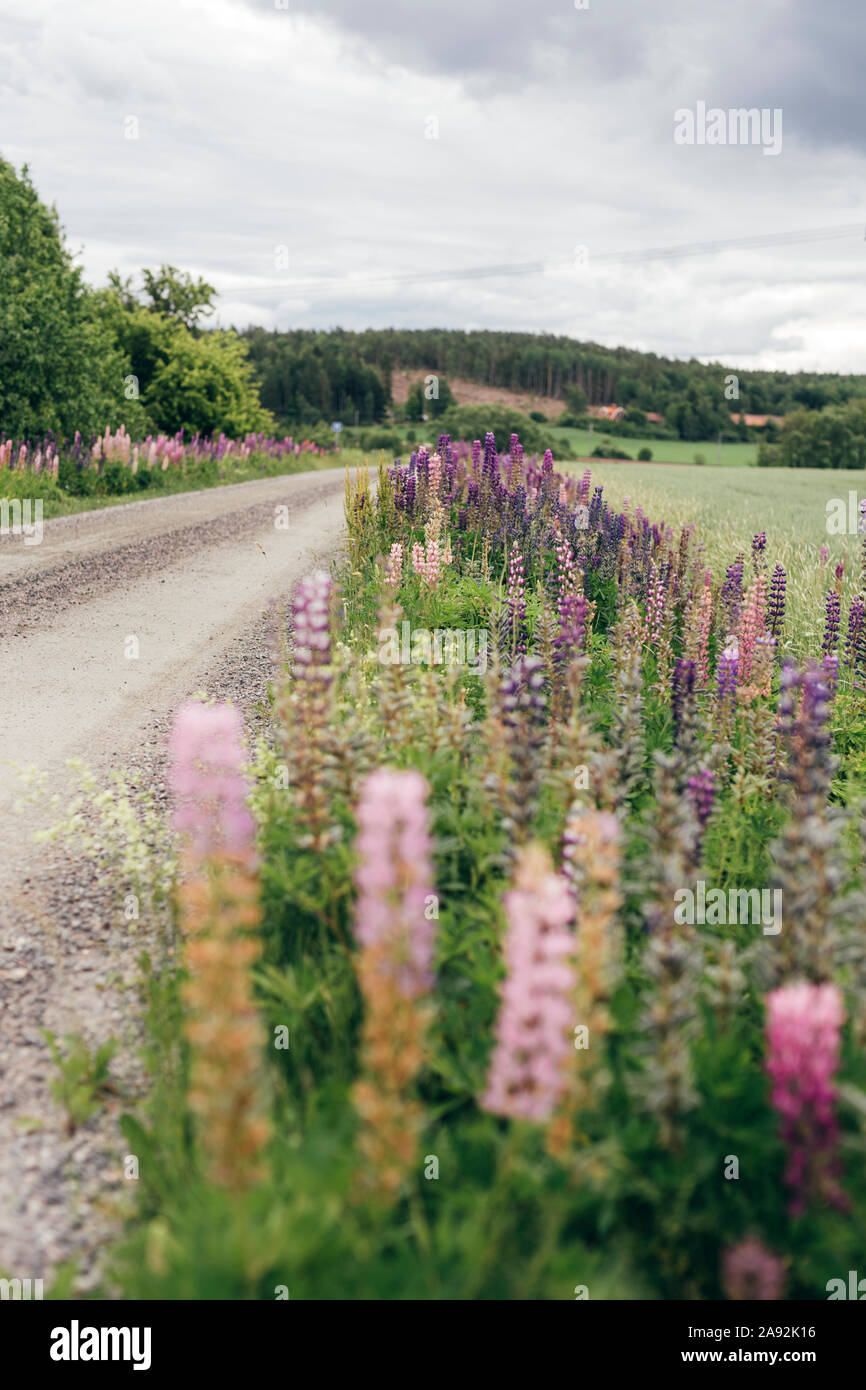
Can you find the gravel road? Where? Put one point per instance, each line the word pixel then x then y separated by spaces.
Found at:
pixel 107 625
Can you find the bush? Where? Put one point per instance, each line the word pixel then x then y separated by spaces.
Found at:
pixel 538 416
pixel 644 455
pixel 373 440
pixel 602 451
pixel 700 460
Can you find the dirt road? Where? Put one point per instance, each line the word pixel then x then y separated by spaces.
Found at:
pixel 105 627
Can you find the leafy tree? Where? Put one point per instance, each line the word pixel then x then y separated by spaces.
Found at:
pixel 415 404
pixel 60 366
pixel 205 385
pixel 175 295
pixel 186 380
pixel 576 400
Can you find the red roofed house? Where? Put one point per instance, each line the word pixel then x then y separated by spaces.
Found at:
pixel 759 422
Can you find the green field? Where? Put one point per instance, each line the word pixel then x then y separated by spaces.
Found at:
pixel 729 508
pixel 663 450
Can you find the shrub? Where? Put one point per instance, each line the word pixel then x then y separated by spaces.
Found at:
pixel 644 455
pixel 373 440
pixel 608 451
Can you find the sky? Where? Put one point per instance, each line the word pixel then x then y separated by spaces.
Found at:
pixel 504 164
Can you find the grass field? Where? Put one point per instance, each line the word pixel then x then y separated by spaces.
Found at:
pixel 663 450
pixel 728 508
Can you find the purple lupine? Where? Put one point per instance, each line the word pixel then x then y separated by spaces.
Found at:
pixel 702 794
pixel 804 1026
pixel 727 673
pixel 833 606
pixel 804 727
pixel 491 460
pixel 523 706
pixel 759 545
pixel 830 667
pixel 855 639
pixel 682 692
pixel 571 631
pixel 732 591
pixel 776 601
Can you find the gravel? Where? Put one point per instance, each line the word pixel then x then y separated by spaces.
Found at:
pixel 195 577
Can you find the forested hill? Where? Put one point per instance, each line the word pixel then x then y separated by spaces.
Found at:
pixel 311 372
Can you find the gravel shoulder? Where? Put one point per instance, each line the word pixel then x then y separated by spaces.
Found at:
pixel 107 625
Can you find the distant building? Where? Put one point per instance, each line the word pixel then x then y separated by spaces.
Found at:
pixel 607 412
pixel 759 422
pixel 654 419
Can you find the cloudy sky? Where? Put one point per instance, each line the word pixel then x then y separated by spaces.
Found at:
pixel 463 163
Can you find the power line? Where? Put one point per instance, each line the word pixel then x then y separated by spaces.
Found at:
pixel 330 284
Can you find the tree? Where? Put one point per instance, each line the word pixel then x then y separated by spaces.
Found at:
pixel 415 404
pixel 204 386
pixel 175 295
pixel 576 400
pixel 443 400
pixel 60 366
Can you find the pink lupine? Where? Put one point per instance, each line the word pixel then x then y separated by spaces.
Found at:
pixel 433 563
pixel 752 624
pixel 394 571
pixel 435 475
pixel 208 781
pixel 528 1075
pixel 752 1272
pixel 395 877
pixel 656 614
pixel 804 1023
pixel 419 560
pixel 705 627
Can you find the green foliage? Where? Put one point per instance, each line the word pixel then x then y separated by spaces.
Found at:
pixel 644 455
pixel 60 368
pixel 84 1078
pixel 310 377
pixel 609 451
pixel 830 438
pixel 690 395
pixel 429 400
pixel 205 386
